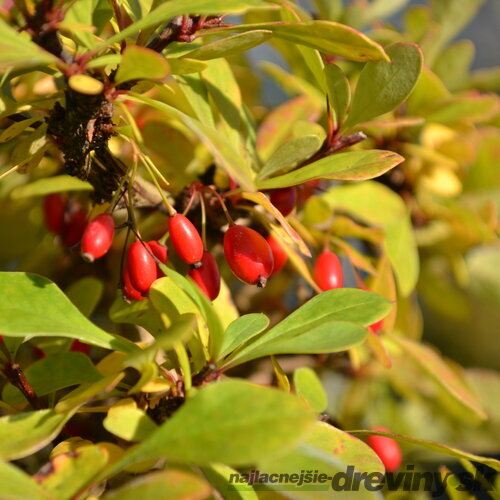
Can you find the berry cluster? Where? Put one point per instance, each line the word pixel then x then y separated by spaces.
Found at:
pixel 251 257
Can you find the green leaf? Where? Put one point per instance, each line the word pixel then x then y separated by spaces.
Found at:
pixel 476 109
pixel 277 127
pixel 185 66
pixel 16 128
pixel 163 485
pixel 343 446
pixel 34 306
pixel 326 36
pixel 80 13
pixel 339 91
pixel 232 422
pixel 88 392
pixel 453 64
pixel 130 424
pixel 308 386
pixel 53 373
pixel 205 306
pixel 435 366
pixel 329 322
pixel 378 206
pixel 431 445
pixel 17 485
pixel 139 313
pixel 382 85
pixel 348 166
pixel 168 10
pixel 48 185
pixel 193 87
pixel 18 51
pixel 85 294
pixel 226 95
pixel 290 154
pixel 230 46
pixel 242 330
pixel 23 434
pixel 224 153
pixel 180 330
pixel 141 63
pixel 71 473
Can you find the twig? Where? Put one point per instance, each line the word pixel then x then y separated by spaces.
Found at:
pixel 16 377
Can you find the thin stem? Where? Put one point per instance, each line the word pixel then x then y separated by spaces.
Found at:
pixel 8 172
pixel 221 201
pixel 203 220
pixel 16 377
pixel 171 210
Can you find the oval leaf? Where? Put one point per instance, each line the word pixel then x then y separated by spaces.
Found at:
pixel 23 434
pixel 34 306
pixel 230 46
pixel 48 185
pixel 308 386
pixel 242 330
pixel 383 85
pixel 349 166
pixel 140 63
pixel 200 433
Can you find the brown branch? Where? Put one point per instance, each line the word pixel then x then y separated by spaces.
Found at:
pixel 16 377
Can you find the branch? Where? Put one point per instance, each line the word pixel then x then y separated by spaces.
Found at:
pixel 16 377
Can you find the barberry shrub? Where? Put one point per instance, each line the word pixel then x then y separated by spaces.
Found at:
pixel 129 375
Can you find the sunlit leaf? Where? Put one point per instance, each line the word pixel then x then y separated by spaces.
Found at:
pixel 141 63
pixel 34 306
pixel 352 165
pixel 383 85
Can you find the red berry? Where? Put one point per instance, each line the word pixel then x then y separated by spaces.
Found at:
pixel 141 267
pixel 387 449
pixel 248 254
pixel 74 227
pixel 186 239
pixel 284 199
pixel 161 253
pixel 128 289
pixel 207 276
pixel 328 271
pixel 54 206
pixel 306 190
pixel 77 346
pixel 97 238
pixel 279 254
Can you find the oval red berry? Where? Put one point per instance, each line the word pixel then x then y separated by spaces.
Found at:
pixel 248 254
pixel 141 267
pixel 128 289
pixel 280 256
pixel 387 449
pixel 328 272
pixel 98 237
pixel 284 199
pixel 74 227
pixel 207 277
pixel 185 238
pixel 54 207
